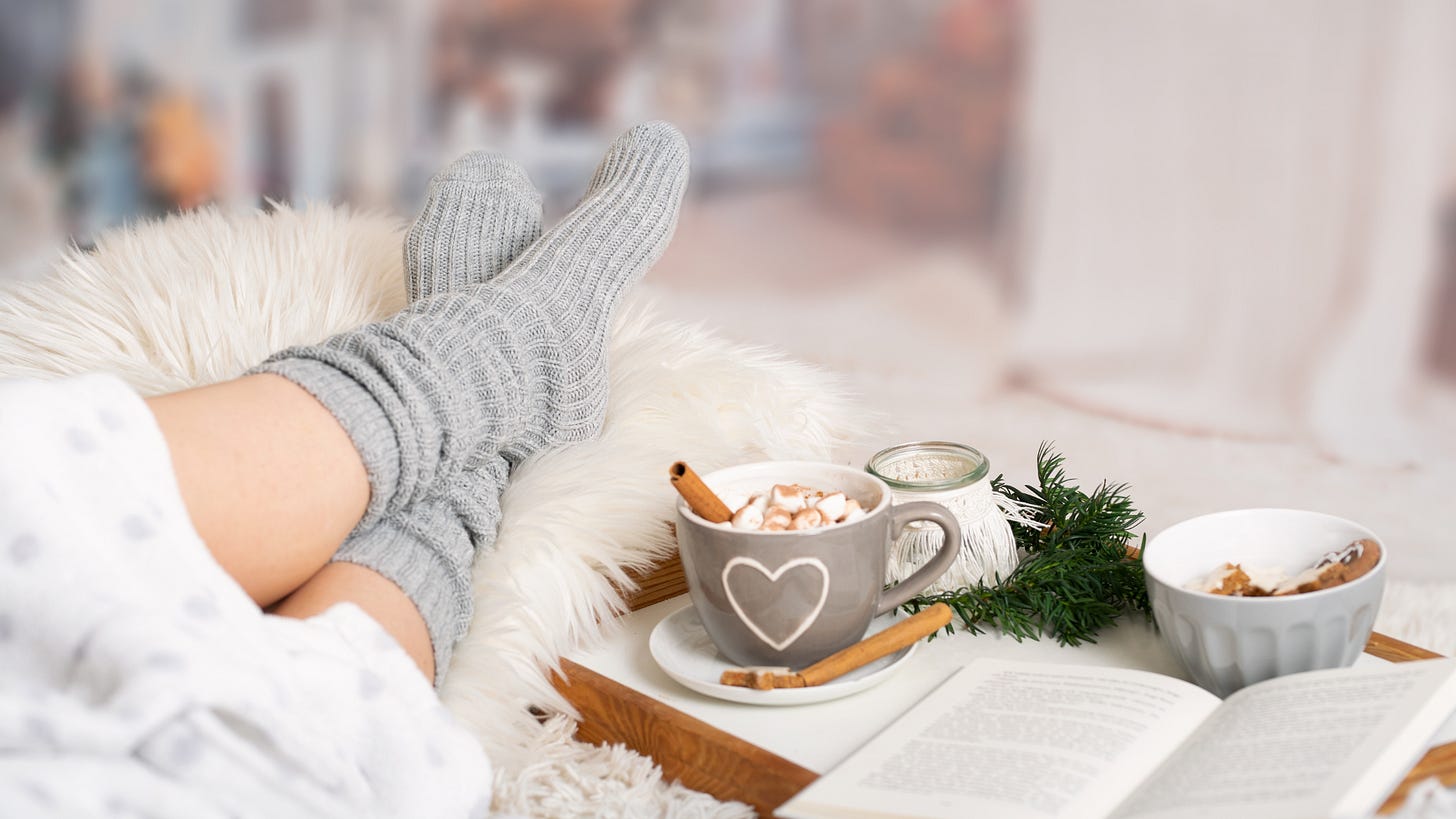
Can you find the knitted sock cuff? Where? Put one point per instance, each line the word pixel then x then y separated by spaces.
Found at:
pixel 407 550
pixel 361 417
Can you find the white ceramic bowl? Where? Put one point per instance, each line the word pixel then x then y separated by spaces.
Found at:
pixel 1226 643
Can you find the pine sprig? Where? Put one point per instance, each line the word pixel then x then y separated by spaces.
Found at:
pixel 1076 576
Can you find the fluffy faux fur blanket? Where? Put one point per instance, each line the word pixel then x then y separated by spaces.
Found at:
pixel 198 298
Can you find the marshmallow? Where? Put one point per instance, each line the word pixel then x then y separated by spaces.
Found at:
pixel 790 507
pixel 807 519
pixel 832 506
pixel 789 497
pixel 777 519
pixel 748 517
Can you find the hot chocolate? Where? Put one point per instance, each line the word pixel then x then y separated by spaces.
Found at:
pixel 791 507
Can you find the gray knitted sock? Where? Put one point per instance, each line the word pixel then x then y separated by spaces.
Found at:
pixel 511 366
pixel 479 214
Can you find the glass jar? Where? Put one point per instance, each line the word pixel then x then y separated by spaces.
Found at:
pixel 957 477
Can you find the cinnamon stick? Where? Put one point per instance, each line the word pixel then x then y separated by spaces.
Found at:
pixel 846 660
pixel 879 645
pixel 700 498
pixel 761 678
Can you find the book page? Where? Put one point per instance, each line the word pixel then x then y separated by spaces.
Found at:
pixel 1324 743
pixel 1014 741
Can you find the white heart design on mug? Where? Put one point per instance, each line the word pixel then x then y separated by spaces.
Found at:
pixel 773 577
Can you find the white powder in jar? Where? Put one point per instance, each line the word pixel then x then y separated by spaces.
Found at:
pixel 928 467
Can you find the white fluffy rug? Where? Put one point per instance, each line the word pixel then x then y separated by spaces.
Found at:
pixel 199 298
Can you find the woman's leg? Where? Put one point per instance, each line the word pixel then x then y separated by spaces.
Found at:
pixel 479 214
pixel 271 481
pixel 263 443
pixel 510 367
pixel 377 595
pixel 507 368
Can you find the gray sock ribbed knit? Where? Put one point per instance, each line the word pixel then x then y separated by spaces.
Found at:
pixel 479 214
pixel 512 366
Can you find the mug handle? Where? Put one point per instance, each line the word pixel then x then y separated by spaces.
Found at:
pixel 903 515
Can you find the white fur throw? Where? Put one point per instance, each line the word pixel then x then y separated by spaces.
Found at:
pixel 198 298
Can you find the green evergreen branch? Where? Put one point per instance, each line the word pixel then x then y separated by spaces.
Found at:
pixel 1076 576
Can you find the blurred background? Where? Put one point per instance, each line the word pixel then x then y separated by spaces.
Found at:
pixel 1003 220
pixel 120 109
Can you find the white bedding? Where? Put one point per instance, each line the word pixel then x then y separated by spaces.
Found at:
pixel 136 678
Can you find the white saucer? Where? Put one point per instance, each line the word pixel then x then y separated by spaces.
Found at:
pixel 683 650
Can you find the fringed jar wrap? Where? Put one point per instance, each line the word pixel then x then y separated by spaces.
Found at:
pixel 956 476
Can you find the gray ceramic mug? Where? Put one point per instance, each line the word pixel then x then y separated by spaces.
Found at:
pixel 792 598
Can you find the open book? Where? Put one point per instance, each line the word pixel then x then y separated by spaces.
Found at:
pixel 1015 740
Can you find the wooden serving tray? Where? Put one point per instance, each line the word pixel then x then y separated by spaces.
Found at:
pixel 708 759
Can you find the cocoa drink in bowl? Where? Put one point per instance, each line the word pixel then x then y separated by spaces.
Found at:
pixel 777 591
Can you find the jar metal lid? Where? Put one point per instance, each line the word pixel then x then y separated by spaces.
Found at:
pixel 899 459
